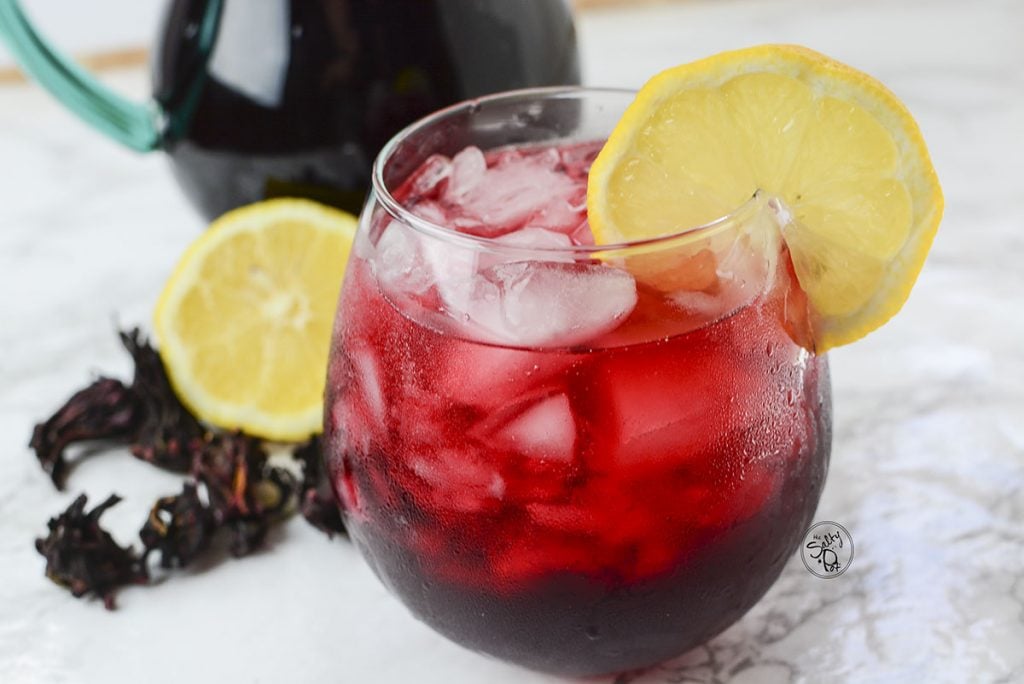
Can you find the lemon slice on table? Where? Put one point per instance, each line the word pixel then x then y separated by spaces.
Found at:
pixel 832 144
pixel 244 323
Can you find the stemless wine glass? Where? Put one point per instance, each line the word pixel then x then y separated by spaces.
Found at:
pixel 582 459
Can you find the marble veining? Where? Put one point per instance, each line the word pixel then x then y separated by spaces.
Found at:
pixel 928 463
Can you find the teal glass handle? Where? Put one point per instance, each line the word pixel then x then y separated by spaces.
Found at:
pixel 130 123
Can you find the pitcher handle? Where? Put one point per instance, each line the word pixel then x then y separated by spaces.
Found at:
pixel 136 125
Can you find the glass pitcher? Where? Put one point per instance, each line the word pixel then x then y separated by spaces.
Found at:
pixel 295 97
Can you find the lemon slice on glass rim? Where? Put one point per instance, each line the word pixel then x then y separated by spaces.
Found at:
pixel 834 146
pixel 244 322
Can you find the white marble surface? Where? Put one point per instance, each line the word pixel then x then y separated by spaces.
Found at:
pixel 928 464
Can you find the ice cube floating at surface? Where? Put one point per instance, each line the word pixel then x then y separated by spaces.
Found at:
pixel 532 199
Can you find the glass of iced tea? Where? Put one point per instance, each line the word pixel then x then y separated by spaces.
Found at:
pixel 579 458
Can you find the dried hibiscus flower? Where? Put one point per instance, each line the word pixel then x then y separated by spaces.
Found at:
pixel 231 487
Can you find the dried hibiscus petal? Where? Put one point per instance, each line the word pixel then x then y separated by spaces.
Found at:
pixel 83 557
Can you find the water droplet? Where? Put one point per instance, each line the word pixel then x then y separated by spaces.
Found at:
pixel 593 633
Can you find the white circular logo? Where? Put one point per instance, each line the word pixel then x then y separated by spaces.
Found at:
pixel 827 549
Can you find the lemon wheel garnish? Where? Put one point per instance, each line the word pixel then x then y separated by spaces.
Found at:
pixel 836 147
pixel 244 322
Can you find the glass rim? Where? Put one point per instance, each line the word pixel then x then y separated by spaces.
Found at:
pixel 398 212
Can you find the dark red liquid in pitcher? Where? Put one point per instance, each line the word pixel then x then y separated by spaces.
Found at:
pixel 295 97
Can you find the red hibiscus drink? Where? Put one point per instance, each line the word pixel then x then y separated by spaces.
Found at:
pixel 582 459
